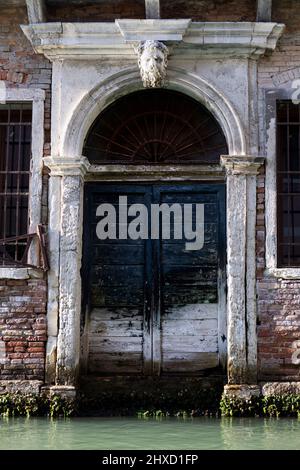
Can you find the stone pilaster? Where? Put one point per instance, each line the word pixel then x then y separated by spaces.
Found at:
pixel 241 174
pixel 54 199
pixel 66 207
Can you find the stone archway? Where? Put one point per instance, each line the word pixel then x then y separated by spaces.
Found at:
pixel 135 321
pixel 66 189
pixel 128 81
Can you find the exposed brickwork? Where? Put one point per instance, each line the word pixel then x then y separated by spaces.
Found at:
pixel 23 328
pixel 20 66
pixel 210 10
pixel 279 315
pixel 23 302
pixel 278 310
pixel 287 12
pixel 104 11
pixel 198 10
pixel 278 300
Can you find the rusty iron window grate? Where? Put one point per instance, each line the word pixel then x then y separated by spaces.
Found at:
pixel 15 158
pixel 288 184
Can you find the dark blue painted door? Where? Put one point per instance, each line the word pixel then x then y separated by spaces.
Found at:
pixel 152 306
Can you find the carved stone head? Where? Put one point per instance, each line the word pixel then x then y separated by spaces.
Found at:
pixel 152 61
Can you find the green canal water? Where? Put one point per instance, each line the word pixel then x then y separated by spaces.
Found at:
pixel 151 434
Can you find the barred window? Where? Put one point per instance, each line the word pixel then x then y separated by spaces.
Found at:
pixel 15 155
pixel 288 184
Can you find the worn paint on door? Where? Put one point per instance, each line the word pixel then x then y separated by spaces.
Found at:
pixel 152 306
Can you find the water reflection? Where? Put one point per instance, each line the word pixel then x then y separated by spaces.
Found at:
pixel 259 433
pixel 162 433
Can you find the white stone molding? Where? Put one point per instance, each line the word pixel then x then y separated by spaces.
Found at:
pixel 153 29
pixel 154 172
pixel 283 273
pixel 152 8
pixel 25 94
pixel 241 38
pixel 241 174
pixel 20 273
pixel 36 11
pixel 264 10
pixel 128 80
pixel 251 124
pixel 37 98
pixel 241 164
pixel 199 39
pixel 269 126
pixel 63 166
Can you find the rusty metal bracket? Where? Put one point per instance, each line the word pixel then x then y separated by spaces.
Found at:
pixel 7 260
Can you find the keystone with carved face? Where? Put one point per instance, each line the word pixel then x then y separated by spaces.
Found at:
pixel 152 61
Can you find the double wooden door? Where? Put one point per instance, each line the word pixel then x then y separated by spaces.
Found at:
pixel 152 306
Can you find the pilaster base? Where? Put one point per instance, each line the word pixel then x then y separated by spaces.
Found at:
pixel 280 388
pixel 243 391
pixel 67 392
pixel 24 387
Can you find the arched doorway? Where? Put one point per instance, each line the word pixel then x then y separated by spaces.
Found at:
pixel 150 305
pixel 155 127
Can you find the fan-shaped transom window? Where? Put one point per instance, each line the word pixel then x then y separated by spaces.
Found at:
pixel 155 127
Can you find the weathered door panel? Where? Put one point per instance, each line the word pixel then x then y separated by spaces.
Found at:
pixel 189 288
pixel 152 305
pixel 115 283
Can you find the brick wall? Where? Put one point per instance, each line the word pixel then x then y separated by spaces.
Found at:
pixel 21 67
pixel 105 11
pixel 22 328
pixel 198 10
pixel 23 302
pixel 278 310
pixel 278 300
pixel 209 10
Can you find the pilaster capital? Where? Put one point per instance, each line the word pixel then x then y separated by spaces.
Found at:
pixel 66 166
pixel 241 164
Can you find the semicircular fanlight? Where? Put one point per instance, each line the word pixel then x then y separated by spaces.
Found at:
pixel 155 127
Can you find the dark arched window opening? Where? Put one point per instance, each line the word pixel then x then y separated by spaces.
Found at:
pixel 155 127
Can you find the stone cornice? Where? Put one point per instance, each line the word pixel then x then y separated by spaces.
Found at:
pixel 146 172
pixel 241 164
pixel 60 166
pixel 158 30
pixel 185 38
